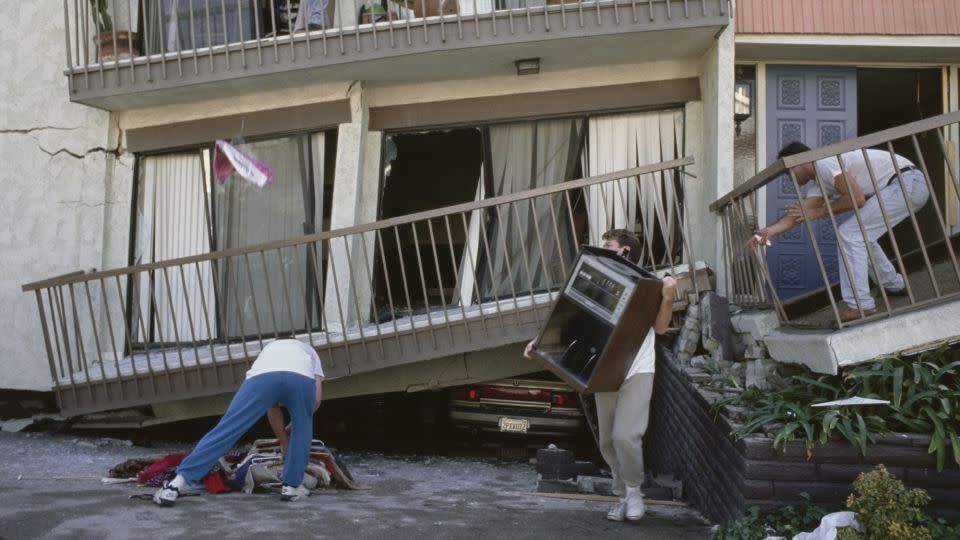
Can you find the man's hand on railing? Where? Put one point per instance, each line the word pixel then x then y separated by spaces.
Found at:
pixel 760 237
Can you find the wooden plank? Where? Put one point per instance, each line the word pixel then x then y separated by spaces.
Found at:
pixel 602 498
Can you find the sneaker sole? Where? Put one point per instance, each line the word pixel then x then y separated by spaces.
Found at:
pixel 617 519
pixel 164 502
pixel 290 498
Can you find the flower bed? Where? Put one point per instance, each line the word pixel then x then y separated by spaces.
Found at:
pixel 723 476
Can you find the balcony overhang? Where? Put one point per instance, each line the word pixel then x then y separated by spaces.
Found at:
pixel 437 48
pixel 836 49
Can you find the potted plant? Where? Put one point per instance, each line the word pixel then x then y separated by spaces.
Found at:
pixel 110 45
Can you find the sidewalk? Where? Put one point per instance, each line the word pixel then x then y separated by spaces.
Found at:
pixel 50 488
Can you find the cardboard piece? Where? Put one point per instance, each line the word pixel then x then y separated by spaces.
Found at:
pixel 599 321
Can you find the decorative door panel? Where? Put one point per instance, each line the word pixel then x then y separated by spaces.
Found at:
pixel 817 106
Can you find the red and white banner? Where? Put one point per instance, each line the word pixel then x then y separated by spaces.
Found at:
pixel 227 159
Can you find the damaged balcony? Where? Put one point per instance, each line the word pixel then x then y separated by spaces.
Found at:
pixel 922 248
pixel 396 292
pixel 138 53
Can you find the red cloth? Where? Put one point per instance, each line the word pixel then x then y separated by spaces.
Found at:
pixel 165 464
pixel 327 462
pixel 214 483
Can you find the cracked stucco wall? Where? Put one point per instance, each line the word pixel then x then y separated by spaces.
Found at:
pixel 55 194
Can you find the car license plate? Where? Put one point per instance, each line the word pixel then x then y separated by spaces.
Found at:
pixel 514 425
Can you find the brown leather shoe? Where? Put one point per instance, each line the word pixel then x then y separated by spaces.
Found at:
pixel 848 314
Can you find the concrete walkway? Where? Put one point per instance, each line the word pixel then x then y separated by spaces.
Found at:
pixel 50 488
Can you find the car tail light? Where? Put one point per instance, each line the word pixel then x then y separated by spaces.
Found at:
pixel 563 399
pixel 464 393
pixel 515 394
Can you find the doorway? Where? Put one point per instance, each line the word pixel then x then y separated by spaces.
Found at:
pixel 891 97
pixel 821 105
pixel 424 171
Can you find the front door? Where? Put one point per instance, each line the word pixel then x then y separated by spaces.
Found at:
pixel 817 106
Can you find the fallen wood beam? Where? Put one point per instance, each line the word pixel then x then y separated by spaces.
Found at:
pixel 602 498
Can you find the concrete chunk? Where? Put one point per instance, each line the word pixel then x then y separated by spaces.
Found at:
pixel 756 323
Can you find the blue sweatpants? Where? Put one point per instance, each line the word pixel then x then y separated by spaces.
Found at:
pixel 255 396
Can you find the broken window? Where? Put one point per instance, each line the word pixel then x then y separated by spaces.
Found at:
pixel 521 247
pixel 181 212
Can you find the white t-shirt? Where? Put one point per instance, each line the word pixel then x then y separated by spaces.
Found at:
pixel 856 166
pixel 645 361
pixel 287 355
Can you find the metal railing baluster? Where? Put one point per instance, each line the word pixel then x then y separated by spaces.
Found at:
pixel 373 304
pixel 176 330
pixel 386 281
pixel 286 291
pixel 110 333
pixel 253 296
pixel 193 41
pixel 355 296
pixel 96 338
pixel 456 272
pixel 423 284
pixel 898 176
pixel 406 288
pixel 936 206
pixel 436 267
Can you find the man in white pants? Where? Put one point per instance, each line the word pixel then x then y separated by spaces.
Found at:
pixel 888 173
pixel 622 416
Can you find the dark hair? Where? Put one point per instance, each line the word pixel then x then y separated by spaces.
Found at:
pixel 792 148
pixel 626 239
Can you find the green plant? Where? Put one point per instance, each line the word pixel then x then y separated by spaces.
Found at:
pixel 787 413
pixel 924 396
pixel 100 11
pixel 785 521
pixel 886 509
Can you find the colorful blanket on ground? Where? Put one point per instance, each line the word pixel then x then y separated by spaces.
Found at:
pixel 260 468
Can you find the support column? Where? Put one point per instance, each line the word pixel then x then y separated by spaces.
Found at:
pixel 355 199
pixel 716 179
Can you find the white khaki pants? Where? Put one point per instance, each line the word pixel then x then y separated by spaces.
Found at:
pixel 622 419
pixel 855 248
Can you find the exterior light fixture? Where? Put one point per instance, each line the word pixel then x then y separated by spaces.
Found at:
pixel 528 66
pixel 742 102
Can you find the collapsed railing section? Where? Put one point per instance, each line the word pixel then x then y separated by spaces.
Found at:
pixel 465 277
pixel 919 232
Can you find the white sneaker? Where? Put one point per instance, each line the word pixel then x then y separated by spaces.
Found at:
pixel 618 512
pixel 290 493
pixel 167 495
pixel 171 490
pixel 634 503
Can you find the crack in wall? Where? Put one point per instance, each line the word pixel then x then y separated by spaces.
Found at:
pixel 115 152
pixel 81 204
pixel 26 131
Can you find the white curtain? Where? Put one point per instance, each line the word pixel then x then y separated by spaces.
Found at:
pixel 646 205
pixel 194 24
pixel 525 248
pixel 271 288
pixel 173 223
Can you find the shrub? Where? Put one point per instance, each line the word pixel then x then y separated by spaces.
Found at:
pixel 886 509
